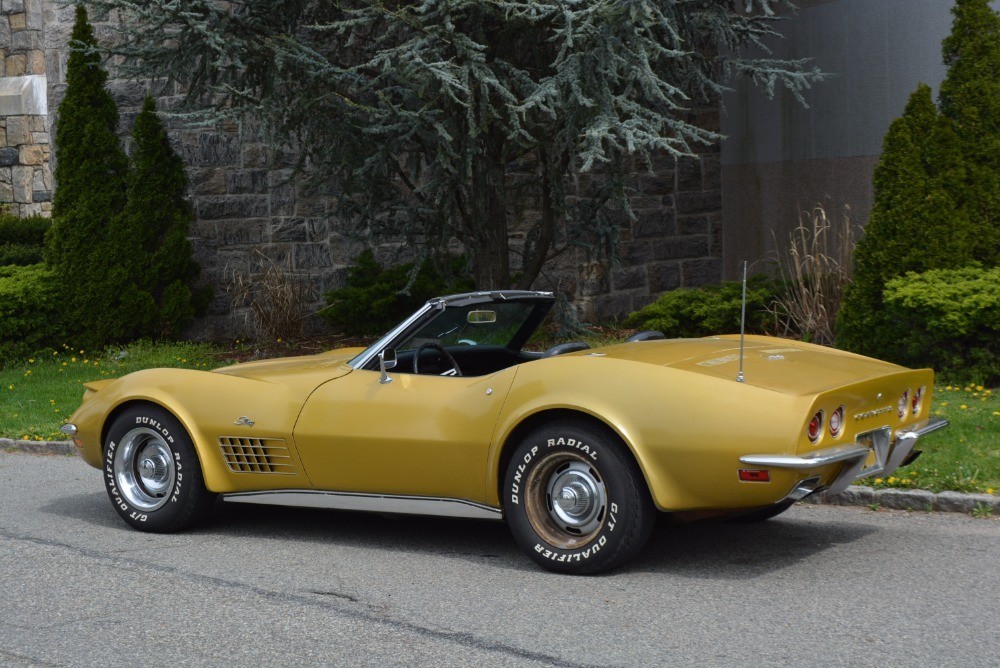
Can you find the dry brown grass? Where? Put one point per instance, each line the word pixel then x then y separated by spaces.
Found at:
pixel 273 304
pixel 816 267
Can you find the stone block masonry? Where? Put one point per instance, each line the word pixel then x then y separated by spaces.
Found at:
pixel 25 151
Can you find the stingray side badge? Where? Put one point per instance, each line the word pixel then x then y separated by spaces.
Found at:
pixel 244 421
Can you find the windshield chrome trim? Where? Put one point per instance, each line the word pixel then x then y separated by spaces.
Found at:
pixel 373 350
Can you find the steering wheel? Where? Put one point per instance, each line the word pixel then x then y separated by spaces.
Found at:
pixel 444 353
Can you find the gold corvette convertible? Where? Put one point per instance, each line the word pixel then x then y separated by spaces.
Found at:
pixel 448 414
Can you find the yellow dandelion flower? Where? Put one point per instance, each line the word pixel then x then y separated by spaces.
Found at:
pixel 989 490
pixel 912 473
pixel 878 481
pixel 963 407
pixel 25 438
pixel 943 403
pixel 31 360
pixel 28 372
pixel 81 352
pixel 72 359
pixel 948 388
pixel 891 479
pixel 10 387
pixel 979 388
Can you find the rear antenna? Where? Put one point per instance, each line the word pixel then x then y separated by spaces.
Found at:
pixel 743 322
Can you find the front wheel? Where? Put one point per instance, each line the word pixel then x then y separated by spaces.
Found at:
pixel 575 499
pixel 151 471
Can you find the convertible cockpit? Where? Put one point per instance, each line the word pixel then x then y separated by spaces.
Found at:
pixel 471 334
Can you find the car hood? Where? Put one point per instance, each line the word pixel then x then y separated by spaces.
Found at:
pixel 308 369
pixel 791 367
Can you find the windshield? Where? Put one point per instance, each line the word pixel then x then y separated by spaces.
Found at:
pixel 473 325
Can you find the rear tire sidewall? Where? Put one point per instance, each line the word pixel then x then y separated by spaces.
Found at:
pixel 629 512
pixel 186 500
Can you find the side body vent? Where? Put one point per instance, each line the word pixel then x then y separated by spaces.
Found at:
pixel 256 455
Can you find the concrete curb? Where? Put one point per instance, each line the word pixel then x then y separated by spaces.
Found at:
pixel 908 499
pixel 38 447
pixel 855 495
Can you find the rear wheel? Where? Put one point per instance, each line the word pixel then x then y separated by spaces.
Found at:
pixel 151 471
pixel 575 499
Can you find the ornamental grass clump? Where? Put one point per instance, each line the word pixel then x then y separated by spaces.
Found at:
pixel 815 269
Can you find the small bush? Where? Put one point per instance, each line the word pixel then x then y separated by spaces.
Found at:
pixel 29 311
pixel 28 231
pixel 376 299
pixel 21 239
pixel 714 309
pixel 951 320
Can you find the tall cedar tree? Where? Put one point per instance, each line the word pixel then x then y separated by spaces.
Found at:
pixel 432 118
pixel 915 224
pixel 89 198
pixel 970 100
pixel 158 215
pixel 937 185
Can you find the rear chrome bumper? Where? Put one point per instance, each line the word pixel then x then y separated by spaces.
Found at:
pixel 890 453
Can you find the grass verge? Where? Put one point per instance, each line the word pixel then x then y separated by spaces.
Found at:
pixel 964 457
pixel 39 393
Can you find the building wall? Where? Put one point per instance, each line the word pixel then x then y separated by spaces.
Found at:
pixel 781 158
pixel 25 177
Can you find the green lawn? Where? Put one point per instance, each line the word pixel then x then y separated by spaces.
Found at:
pixel 963 457
pixel 39 393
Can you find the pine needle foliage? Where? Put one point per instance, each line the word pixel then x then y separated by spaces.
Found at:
pixel 118 242
pixel 937 184
pixel 90 174
pixel 420 112
pixel 158 214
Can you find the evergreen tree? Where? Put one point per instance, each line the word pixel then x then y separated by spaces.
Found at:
pixel 937 184
pixel 915 223
pixel 970 100
pixel 158 215
pixel 421 113
pixel 101 303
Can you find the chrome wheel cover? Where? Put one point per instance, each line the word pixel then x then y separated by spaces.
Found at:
pixel 566 500
pixel 144 469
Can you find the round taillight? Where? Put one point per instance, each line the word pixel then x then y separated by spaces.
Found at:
pixel 917 399
pixel 837 422
pixel 904 404
pixel 816 427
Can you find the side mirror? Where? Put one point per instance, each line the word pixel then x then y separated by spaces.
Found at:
pixel 386 361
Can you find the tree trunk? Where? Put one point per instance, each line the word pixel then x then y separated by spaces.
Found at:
pixel 491 253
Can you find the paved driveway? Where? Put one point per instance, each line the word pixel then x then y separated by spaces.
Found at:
pixel 272 586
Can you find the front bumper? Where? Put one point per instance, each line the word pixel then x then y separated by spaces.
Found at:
pixel 889 454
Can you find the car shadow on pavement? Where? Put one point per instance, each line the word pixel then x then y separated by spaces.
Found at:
pixel 701 550
pixel 719 549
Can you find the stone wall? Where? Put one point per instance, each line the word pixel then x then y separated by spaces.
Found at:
pixel 251 211
pixel 25 176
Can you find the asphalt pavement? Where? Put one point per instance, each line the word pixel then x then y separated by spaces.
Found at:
pixel 841 586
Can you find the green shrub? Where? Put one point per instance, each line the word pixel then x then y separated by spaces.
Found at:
pixel 28 231
pixel 714 309
pixel 951 322
pixel 374 300
pixel 29 311
pixel 19 254
pixel 21 239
